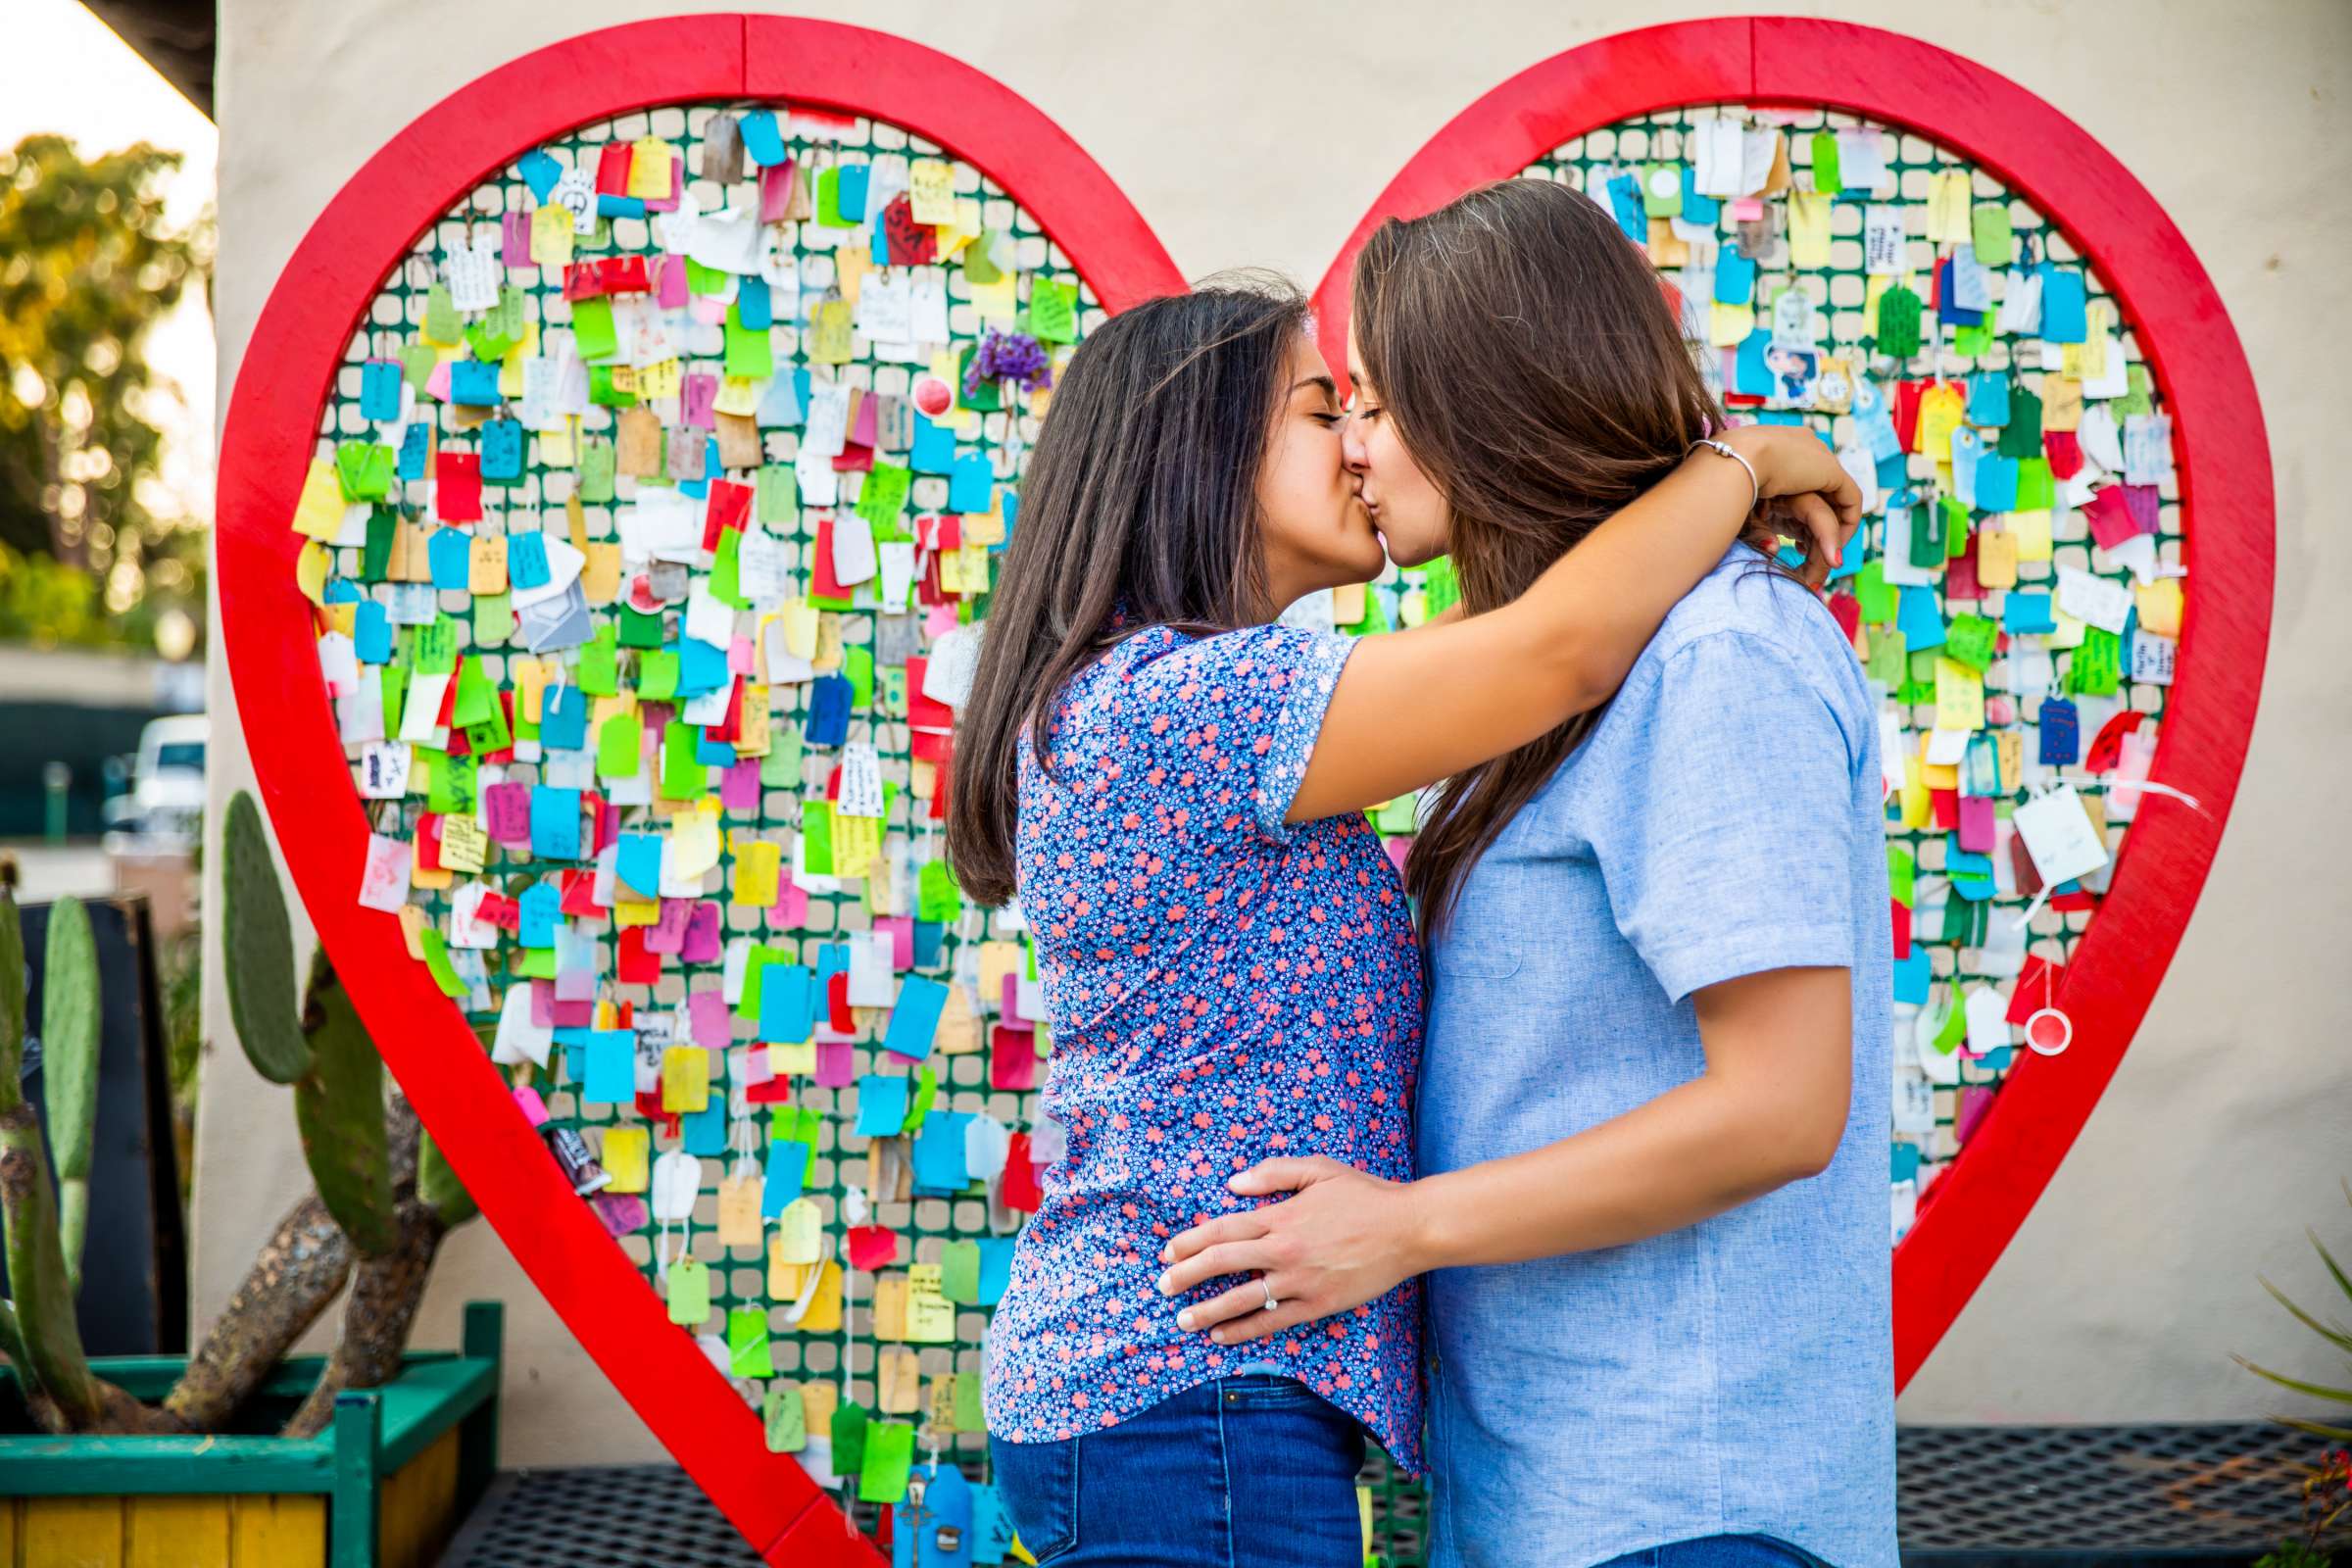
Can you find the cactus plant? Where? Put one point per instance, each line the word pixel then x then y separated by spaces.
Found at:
pixel 383 1196
pixel 69 1017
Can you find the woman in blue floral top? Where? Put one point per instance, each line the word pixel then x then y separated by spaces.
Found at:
pixel 1175 789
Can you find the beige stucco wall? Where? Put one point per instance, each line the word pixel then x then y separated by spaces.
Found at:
pixel 1255 132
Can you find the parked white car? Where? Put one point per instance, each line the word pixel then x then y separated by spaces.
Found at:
pixel 164 804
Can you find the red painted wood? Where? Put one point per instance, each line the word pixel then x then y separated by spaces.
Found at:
pixel 2226 487
pixel 288 368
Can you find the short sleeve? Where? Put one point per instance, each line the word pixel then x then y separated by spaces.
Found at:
pixel 1228 722
pixel 1727 837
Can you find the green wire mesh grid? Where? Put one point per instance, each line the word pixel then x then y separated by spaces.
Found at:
pixel 738 1275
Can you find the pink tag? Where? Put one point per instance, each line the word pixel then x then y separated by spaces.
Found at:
pixel 701 935
pixel 575 1014
pixel 1009 1012
pixel 1976 824
pixel 743 657
pixel 670 286
pixel 622 1213
pixel 701 397
pixel 543 1003
pixel 902 940
pixel 668 933
pixel 707 1016
pixel 1975 1100
pixel 509 807
pixel 738 787
pixel 1398 849
pixel 532 1105
pixel 835 1063
pixel 515 238
pixel 1748 209
pixel 791 912
pixel 775 191
pixel 1012 1059
pixel 436 381
pixel 938 621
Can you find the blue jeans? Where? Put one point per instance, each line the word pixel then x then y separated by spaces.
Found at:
pixel 1237 1472
pixel 1719 1551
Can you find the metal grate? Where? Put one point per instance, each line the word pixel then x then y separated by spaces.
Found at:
pixel 1968 1497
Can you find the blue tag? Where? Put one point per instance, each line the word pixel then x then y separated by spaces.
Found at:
pixel 610 1078
pixel 2061 733
pixel 915 1018
pixel 786 1177
pixel 451 554
pixel 526 561
pixel 970 485
pixel 564 719
pixel 473 384
pixel 1919 620
pixel 934 447
pixel 371 633
pixel 881 1106
pixel 539 908
pixel 380 390
pixel 540 171
pixel 2065 309
pixel 763 139
pixel 555 823
pixel 502 451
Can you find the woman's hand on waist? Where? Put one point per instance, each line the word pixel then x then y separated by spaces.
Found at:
pixel 1343 1239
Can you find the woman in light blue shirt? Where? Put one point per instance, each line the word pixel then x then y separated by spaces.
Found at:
pixel 1651 1137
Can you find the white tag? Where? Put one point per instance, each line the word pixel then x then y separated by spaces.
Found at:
pixel 1987 1020
pixel 2136 756
pixel 384 770
pixel 853 548
pixel 955 664
pixel 519 1039
pixel 385 879
pixel 2060 837
pixel 1861 158
pixel 828 427
pixel 575 193
pixel 896 558
pixel 861 781
pixel 473 272
pixel 1883 239
pixel 871 979
pixel 677 1180
pixel 2093 600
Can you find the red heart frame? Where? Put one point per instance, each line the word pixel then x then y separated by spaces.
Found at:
pixel 298 343
pixel 290 362
pixel 2222 453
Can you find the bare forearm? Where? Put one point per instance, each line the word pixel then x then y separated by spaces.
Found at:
pixel 1693 1152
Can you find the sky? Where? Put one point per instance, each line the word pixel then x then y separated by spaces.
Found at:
pixel 65 72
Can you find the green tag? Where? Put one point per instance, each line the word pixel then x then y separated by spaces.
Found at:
pixel 979 267
pixel 777 495
pixel 688 1283
pixel 750 351
pixel 883 497
pixel 1878 597
pixel 960 1272
pixel 2037 491
pixel 894 690
pixel 376 559
pixel 2096 666
pixel 395 687
pixel 1396 815
pixel 1971 641
pixel 434 646
pixel 365 471
pixel 598 463
pixel 969 1416
pixel 493 619
pixel 619 745
pixel 1971 342
pixel 475 696
pixel 2021 437
pixel 858 666
pixel 726 570
pixel 436 960
pixel 1052 311
pixel 599 663
pixel 442 324
pixel 1989 234
pixel 784 1418
pixel 491 733
pixel 1927 536
pixel 1901 874
pixel 1824 162
pixel 658 674
pixel 684 776
pixel 638 630
pixel 748 1351
pixel 780 769
pixel 1885 664
pixel 417 362
pixel 888 1457
pixel 926 1090
pixel 592 333
pixel 938 899
pixel 817 831
pixel 1955 528
pixel 700 279
pixel 850 1423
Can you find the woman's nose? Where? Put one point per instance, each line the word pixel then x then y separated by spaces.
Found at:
pixel 1351 443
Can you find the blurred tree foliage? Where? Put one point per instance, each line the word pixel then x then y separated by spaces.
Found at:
pixel 92 545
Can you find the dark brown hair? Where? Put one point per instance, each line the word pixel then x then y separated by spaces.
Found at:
pixel 1526 352
pixel 1141 491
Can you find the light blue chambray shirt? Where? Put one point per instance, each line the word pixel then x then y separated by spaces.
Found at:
pixel 1723 818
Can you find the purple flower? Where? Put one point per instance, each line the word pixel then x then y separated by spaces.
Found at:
pixel 1008 356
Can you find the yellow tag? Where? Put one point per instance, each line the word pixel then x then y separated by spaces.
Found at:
pixel 2009 750
pixel 1949 201
pixel 530 688
pixel 755 739
pixel 1666 246
pixel 1919 807
pixel 1729 326
pixel 551 235
pixel 997 301
pixel 1348 604
pixel 800 1233
pixel 649 168
pixel 828 641
pixel 1996 557
pixel 486 566
pixel 738 394
pixel 320 511
pixel 850 264
pixel 685 1078
pixel 2159 604
pixel 890 1306
pixel 739 1210
pixel 755 883
pixel 856 840
pixel 829 333
pixel 309 570
pixel 1959 697
pixel 1941 409
pixel 1809 228
pixel 555 446
pixel 600 574
pixel 997 960
pixel 2060 403
pixel 958 1031
pixel 824 1308
pixel 786 1059
pixel 465 844
pixel 663 380
pixel 898 1380
pixel 2033 531
pixel 801 623
pixel 930 1318
pixel 931 186
pixel 624 1155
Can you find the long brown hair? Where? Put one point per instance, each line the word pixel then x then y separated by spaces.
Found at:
pixel 1142 491
pixel 1535 370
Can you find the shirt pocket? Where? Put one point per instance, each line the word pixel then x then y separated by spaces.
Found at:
pixel 1479 955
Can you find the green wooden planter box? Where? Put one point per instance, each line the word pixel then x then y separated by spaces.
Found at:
pixel 383 1486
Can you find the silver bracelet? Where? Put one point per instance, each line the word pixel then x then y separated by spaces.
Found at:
pixel 1754 483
